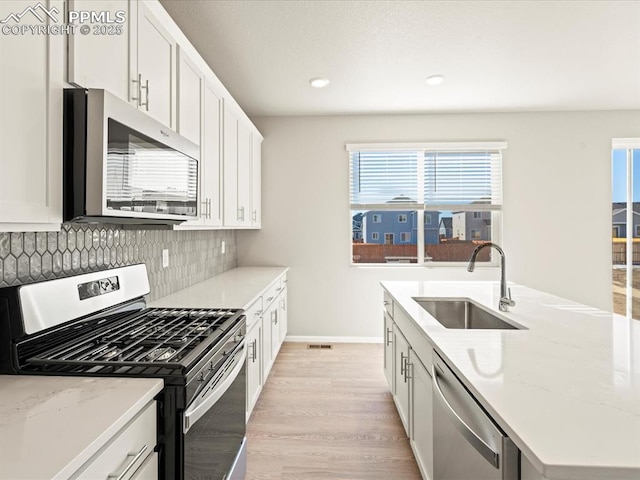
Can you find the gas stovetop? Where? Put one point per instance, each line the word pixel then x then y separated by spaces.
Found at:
pixel 98 323
pixel 156 339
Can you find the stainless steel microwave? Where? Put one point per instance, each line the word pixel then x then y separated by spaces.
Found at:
pixel 122 166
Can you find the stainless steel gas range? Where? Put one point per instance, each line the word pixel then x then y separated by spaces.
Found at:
pixel 98 324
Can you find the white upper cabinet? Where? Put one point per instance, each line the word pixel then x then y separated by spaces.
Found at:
pixel 210 164
pixel 244 174
pixel 135 60
pixel 154 79
pixel 256 180
pixel 31 83
pixel 102 61
pixel 190 81
pixel 232 214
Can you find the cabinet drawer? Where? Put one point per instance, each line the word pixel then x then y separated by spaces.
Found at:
pixel 254 312
pixel 128 450
pixel 271 293
pixel 388 303
pixel 148 470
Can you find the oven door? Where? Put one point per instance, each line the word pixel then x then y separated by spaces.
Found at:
pixel 214 424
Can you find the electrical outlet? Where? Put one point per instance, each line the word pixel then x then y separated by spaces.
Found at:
pixel 223 247
pixel 165 258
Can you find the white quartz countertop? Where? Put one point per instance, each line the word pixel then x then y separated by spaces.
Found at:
pixel 566 389
pixel 50 426
pixel 236 288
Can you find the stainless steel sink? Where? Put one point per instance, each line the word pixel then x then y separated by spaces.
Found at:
pixel 464 313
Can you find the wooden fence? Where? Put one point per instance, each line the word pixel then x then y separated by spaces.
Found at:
pixel 444 252
pixel 619 251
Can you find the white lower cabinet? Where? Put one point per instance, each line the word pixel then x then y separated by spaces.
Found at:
pixel 130 454
pixel 407 364
pixel 420 415
pixel 400 360
pixel 388 351
pixel 266 330
pixel 254 366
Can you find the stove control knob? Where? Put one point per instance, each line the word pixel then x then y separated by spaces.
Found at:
pixel 211 365
pixel 201 377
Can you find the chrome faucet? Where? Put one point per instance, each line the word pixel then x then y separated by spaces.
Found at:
pixel 505 295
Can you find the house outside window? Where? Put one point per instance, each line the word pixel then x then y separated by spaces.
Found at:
pixel 434 201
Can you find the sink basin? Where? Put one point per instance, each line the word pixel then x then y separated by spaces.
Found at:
pixel 464 313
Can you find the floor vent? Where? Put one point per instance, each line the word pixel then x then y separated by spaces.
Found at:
pixel 320 347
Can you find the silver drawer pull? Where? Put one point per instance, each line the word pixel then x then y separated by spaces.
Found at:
pixel 258 313
pixel 136 456
pixel 269 299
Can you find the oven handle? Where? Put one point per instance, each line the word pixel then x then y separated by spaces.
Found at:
pixel 199 407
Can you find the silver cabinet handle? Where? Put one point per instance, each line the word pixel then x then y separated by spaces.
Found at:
pixel 209 208
pixel 284 304
pixel 472 437
pixel 278 289
pixel 258 313
pixel 386 302
pixel 146 88
pixel 407 367
pixel 254 216
pixel 241 214
pixel 121 474
pixel 389 340
pixel 274 316
pixel 269 299
pixel 403 359
pixel 139 82
pixel 255 350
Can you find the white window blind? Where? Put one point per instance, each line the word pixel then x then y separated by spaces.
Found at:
pixel 463 176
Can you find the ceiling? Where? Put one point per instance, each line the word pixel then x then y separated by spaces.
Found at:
pixel 495 55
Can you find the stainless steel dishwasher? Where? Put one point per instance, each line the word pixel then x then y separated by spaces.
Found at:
pixel 467 443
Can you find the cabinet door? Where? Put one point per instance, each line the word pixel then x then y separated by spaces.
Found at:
pixel 244 174
pixel 31 76
pixel 212 153
pixel 400 361
pixel 274 315
pixel 256 180
pixel 189 99
pixel 230 159
pixel 155 68
pixel 267 356
pixel 254 366
pixel 283 320
pixel 102 61
pixel 421 422
pixel 388 351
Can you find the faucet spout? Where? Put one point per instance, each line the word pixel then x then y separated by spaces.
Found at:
pixel 505 295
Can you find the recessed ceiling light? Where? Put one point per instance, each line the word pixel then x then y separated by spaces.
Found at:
pixel 319 82
pixel 435 80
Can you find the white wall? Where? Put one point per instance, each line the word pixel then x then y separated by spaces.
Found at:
pixel 557 212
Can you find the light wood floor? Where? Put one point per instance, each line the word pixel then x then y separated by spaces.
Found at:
pixel 328 414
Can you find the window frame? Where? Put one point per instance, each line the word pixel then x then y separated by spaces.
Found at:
pixel 406 218
pixel 496 216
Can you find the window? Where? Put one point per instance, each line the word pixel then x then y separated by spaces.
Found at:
pixel 625 214
pixel 454 184
pixel 375 236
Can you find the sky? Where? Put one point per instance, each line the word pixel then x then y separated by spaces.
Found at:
pixel 619 176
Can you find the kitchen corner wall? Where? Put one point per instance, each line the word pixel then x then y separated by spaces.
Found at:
pixel 27 257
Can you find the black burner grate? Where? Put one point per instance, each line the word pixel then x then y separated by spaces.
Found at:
pixel 171 338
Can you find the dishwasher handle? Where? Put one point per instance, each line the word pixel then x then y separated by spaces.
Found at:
pixel 482 447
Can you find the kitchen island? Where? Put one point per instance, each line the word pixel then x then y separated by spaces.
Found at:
pixel 566 388
pixel 56 427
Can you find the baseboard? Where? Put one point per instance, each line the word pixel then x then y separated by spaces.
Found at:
pixel 312 339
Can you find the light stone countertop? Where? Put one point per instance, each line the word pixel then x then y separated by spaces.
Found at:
pixel 236 288
pixel 566 390
pixel 50 426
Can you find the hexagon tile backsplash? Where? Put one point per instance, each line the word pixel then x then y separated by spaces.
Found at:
pixel 27 257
